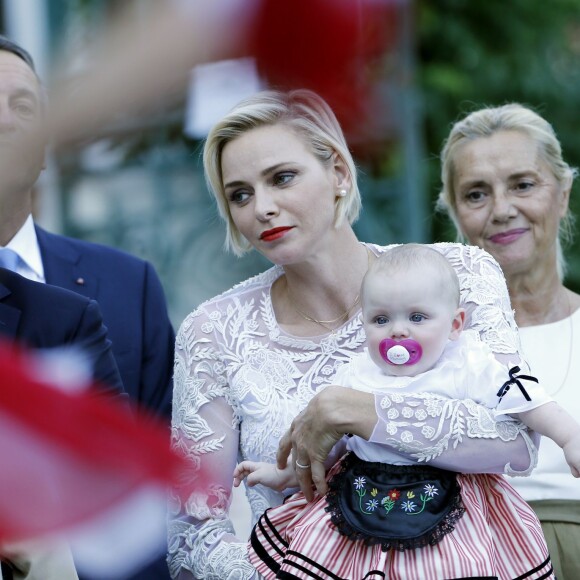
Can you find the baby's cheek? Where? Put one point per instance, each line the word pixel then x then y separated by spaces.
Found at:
pixel 375 354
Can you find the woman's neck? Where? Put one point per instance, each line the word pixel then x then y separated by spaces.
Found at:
pixel 324 287
pixel 539 299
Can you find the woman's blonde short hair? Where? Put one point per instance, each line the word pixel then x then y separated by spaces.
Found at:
pixel 301 110
pixel 484 123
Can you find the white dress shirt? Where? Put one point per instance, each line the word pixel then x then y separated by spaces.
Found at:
pixel 25 244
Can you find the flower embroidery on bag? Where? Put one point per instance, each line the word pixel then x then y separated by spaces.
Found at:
pixel 390 499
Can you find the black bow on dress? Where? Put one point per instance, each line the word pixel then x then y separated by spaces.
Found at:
pixel 514 380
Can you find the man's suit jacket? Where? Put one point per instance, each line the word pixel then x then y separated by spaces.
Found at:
pixel 41 317
pixel 132 302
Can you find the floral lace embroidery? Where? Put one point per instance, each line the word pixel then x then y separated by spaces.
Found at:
pixel 222 562
pixel 424 426
pixel 239 381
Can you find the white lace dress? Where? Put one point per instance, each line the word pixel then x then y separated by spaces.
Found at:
pixel 240 380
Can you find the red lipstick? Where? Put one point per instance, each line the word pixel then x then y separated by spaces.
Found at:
pixel 274 234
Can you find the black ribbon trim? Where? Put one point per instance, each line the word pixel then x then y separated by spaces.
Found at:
pixel 515 380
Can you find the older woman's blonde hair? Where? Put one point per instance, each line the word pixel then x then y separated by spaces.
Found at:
pixel 304 112
pixel 512 117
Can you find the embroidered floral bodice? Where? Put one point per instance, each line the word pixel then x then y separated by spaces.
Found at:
pixel 240 379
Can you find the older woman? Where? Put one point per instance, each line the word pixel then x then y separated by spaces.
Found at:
pixel 507 187
pixel 249 360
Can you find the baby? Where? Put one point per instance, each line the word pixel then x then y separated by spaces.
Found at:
pixel 416 343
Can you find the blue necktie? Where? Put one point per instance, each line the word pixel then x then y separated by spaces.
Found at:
pixel 9 259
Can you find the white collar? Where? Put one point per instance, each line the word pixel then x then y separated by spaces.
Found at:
pixel 25 244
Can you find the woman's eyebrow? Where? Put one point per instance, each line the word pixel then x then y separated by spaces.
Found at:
pixel 263 173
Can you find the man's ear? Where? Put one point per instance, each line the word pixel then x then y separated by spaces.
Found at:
pixel 457 324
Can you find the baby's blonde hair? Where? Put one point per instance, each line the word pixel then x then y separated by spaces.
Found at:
pixel 408 256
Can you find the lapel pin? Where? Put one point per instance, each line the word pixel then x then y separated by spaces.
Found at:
pixel 80 281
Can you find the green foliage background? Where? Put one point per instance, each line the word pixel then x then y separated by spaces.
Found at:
pixel 473 53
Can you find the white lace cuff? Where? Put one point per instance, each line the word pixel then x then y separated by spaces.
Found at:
pixel 459 435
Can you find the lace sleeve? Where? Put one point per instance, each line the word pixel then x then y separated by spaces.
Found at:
pixel 202 543
pixel 485 297
pixel 459 435
pixel 462 435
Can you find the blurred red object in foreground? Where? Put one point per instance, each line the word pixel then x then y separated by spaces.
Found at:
pixel 334 47
pixel 69 458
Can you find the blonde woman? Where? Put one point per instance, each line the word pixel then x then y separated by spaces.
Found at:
pixel 250 360
pixel 507 188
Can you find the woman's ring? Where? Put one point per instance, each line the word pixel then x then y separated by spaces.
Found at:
pixel 300 466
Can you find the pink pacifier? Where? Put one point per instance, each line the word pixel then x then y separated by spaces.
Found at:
pixel 400 352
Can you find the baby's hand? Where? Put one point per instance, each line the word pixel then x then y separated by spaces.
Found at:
pixel 265 473
pixel 244 469
pixel 572 455
pixel 252 470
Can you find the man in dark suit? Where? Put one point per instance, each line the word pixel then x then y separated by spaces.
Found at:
pixel 39 316
pixel 127 289
pixel 132 302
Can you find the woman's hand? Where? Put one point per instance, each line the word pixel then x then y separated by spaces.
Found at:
pixel 327 417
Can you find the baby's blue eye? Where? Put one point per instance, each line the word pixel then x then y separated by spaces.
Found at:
pixel 381 320
pixel 417 317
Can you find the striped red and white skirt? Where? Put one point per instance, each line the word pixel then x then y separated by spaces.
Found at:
pixel 498 536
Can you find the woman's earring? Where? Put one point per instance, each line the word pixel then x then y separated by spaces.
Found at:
pixel 342 193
